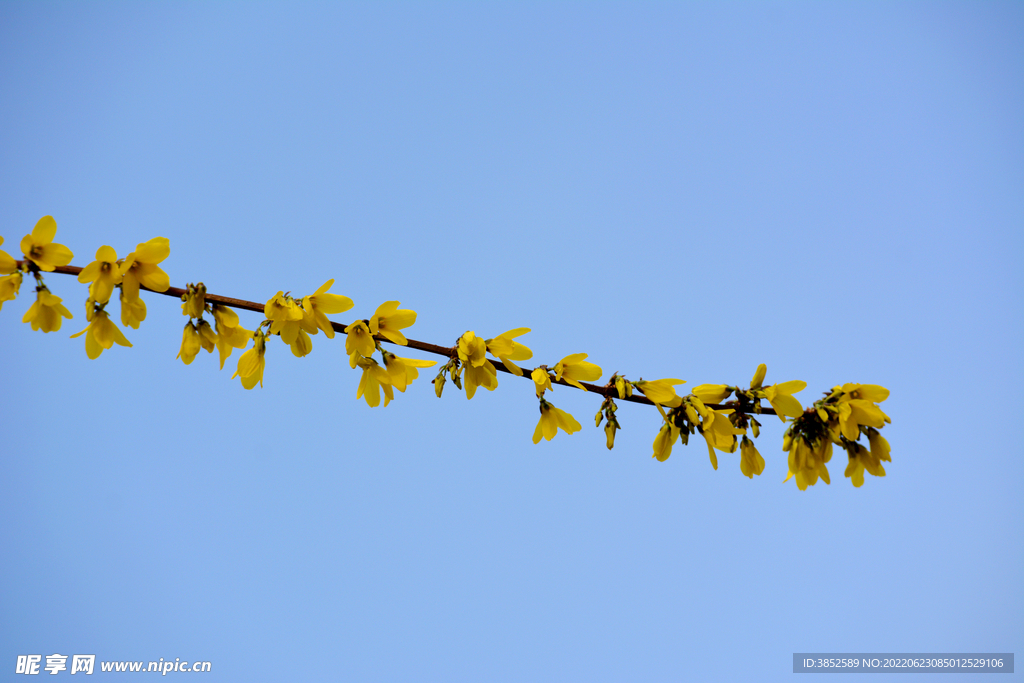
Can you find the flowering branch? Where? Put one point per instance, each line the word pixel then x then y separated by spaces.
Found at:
pixel 846 413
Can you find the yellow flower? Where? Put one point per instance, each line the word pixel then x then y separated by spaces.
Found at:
pixel 403 371
pixel 10 285
pixel 133 311
pixel 252 362
pixel 190 344
pixel 285 317
pixel 103 273
pixel 101 334
pixel 478 370
pixel 140 267
pixel 551 420
pixel 751 462
pixel 230 335
pixel 857 407
pixel 194 303
pixel 541 379
pixel 207 337
pixel 321 302
pixel 45 314
pixel 781 398
pixel 712 393
pixel 472 349
pixel 573 369
pixel 388 320
pixel 661 391
pixel 373 380
pixel 507 349
pixel 40 248
pixel 663 442
pixel 7 262
pixel 623 387
pixel 807 461
pixel 719 433
pixel 862 459
pixel 360 341
pixel 758 379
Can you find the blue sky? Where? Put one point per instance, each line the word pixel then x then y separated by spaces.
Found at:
pixel 678 190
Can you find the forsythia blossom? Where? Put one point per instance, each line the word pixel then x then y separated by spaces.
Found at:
pixel 551 420
pixel 39 247
pixel 7 262
pixel 373 380
pixel 402 371
pixel 541 379
pixel 46 313
pixel 252 362
pixel 661 391
pixel 101 334
pixel 360 341
pixel 9 287
pixel 285 316
pixel 507 349
pixel 478 370
pixel 133 311
pixel 141 267
pixel 751 462
pixel 574 368
pixel 388 320
pixel 103 273
pixel 322 302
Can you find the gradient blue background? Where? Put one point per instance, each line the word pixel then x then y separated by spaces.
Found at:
pixel 679 190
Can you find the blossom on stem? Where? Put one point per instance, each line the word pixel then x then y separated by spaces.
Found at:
pixel 541 379
pixel 133 311
pixel 403 371
pixel 388 320
pixel 507 349
pixel 100 334
pixel 285 317
pixel 661 391
pixel 712 393
pixel 574 368
pixel 551 420
pixel 39 247
pixel 321 302
pixel 781 398
pixel 360 341
pixel 103 273
pixel 141 267
pixel 252 362
pixel 374 379
pixel 856 404
pixel 479 372
pixel 230 335
pixel 807 460
pixel 719 433
pixel 46 313
pixel 190 344
pixel 663 442
pixel 751 462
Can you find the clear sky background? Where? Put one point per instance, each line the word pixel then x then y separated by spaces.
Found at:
pixel 679 190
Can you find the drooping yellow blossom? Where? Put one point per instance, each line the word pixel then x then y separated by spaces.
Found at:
pixel 388 320
pixel 103 273
pixel 663 442
pixel 39 247
pixel 807 461
pixel 373 380
pixel 133 311
pixel 403 371
pixel 551 420
pixel 7 262
pixel 479 372
pixel 623 387
pixel 751 462
pixel 574 369
pixel 190 344
pixel 507 349
pixel 359 341
pixel 194 301
pixel 230 335
pixel 10 285
pixel 541 379
pixel 857 407
pixel 719 433
pixel 661 391
pixel 321 302
pixel 862 459
pixel 141 267
pixel 46 313
pixel 207 337
pixel 712 393
pixel 252 362
pixel 285 316
pixel 101 334
pixel 781 398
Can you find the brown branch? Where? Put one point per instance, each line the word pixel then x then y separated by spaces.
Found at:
pixel 446 351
